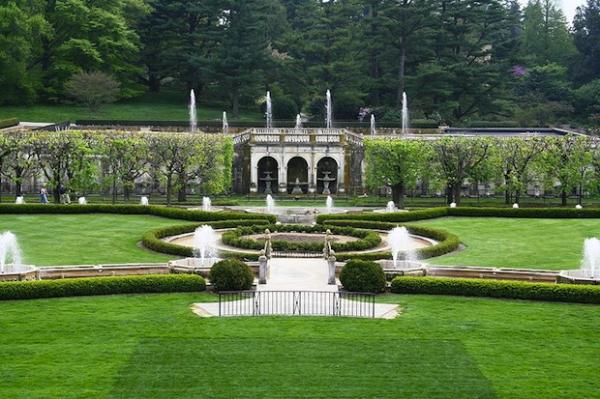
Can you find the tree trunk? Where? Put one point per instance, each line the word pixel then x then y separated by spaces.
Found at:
pixel 449 193
pixel 114 191
pixel 182 195
pixel 563 197
pixel 126 192
pixel 456 194
pixel 517 196
pixel 153 83
pixel 169 184
pixel 56 193
pixel 398 193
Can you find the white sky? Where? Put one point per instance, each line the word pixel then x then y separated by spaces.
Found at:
pixel 568 7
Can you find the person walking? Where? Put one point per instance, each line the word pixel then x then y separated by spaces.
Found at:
pixel 43 195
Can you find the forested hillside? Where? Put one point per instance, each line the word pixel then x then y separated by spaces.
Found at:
pixel 459 61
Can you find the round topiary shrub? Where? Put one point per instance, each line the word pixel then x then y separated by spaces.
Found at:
pixel 231 275
pixel 362 276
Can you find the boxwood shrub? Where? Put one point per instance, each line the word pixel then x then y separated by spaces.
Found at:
pixel 362 276
pixel 102 286
pixel 231 275
pixel 238 238
pixel 497 289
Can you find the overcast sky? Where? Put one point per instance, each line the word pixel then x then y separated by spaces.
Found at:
pixel 568 7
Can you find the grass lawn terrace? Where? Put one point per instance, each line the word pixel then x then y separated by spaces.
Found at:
pixel 153 346
pixel 552 244
pixel 51 240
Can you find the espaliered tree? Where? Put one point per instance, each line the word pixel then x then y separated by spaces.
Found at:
pixel 126 157
pixel 397 163
pixel 516 157
pixel 457 159
pixel 567 160
pixel 21 162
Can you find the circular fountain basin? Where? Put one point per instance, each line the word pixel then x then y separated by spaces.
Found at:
pixel 19 273
pixel 187 240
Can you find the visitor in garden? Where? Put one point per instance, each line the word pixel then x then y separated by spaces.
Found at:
pixel 43 195
pixel 65 198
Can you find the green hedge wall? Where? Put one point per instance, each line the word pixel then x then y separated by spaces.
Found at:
pixel 497 289
pixel 447 242
pixel 102 286
pixel 236 238
pixel 4 123
pixel 431 213
pixel 152 239
pixel 172 213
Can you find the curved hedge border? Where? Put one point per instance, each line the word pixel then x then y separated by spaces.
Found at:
pixel 102 286
pixel 447 242
pixel 171 213
pixel 367 239
pixel 497 289
pixel 153 238
pixel 432 213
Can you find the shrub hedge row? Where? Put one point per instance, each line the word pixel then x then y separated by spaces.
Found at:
pixel 447 242
pixel 497 289
pixel 102 286
pixel 431 213
pixel 153 239
pixel 237 238
pixel 172 213
pixel 4 123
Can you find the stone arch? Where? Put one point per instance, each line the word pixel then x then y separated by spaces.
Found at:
pixel 327 167
pixel 297 170
pixel 268 168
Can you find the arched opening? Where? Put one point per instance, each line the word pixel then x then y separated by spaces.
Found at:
pixel 268 175
pixel 297 176
pixel 327 174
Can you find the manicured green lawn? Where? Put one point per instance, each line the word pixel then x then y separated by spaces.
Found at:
pixel 162 107
pixel 153 346
pixel 521 243
pixel 48 240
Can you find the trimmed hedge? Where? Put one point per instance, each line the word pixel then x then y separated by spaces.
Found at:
pixel 4 123
pixel 447 242
pixel 231 275
pixel 236 238
pixel 171 213
pixel 497 289
pixel 432 213
pixel 363 276
pixel 102 286
pixel 153 238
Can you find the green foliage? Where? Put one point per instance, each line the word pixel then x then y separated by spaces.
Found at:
pixel 101 286
pixel 4 123
pixel 93 89
pixel 231 275
pixel 362 276
pixel 235 238
pixel 497 289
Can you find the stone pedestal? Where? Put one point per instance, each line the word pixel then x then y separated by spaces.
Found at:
pixel 263 269
pixel 331 266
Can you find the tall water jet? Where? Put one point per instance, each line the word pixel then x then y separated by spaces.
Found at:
pixel 591 258
pixel 205 243
pixel 390 207
pixel 400 242
pixel 20 200
pixel 206 204
pixel 270 204
pixel 298 122
pixel 193 116
pixel 10 253
pixel 82 201
pixel 329 204
pixel 405 116
pixel 144 201
pixel 329 111
pixel 269 111
pixel 373 127
pixel 225 123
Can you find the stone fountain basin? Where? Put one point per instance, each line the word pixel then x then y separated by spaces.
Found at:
pixel 578 276
pixel 187 240
pixel 20 273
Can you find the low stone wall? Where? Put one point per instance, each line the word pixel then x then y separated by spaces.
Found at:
pixel 80 271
